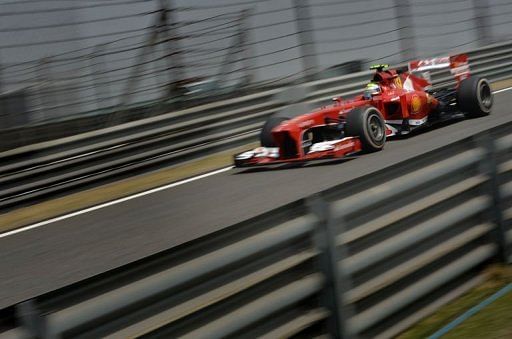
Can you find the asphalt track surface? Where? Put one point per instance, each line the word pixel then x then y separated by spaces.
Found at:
pixel 55 255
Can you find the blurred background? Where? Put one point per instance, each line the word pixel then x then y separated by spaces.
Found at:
pixel 128 59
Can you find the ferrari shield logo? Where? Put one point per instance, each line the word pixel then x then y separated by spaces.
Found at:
pixel 415 103
pixel 398 82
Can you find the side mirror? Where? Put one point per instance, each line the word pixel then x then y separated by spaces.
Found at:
pixel 337 99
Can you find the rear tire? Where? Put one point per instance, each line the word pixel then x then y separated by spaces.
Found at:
pixel 367 123
pixel 474 97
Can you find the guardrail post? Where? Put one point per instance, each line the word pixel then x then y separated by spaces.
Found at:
pixel 31 320
pixel 48 89
pixel 1 85
pixel 247 50
pixel 306 39
pixel 404 20
pixel 99 77
pixel 163 25
pixel 170 24
pixel 42 79
pixel 489 167
pixel 328 259
pixel 237 46
pixel 482 21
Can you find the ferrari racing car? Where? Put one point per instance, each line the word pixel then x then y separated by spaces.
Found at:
pixel 395 102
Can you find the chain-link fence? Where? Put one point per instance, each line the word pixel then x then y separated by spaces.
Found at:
pixel 66 59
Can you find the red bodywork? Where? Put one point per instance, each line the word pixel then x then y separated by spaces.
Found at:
pixel 403 100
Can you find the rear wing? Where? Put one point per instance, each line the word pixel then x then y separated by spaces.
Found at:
pixel 458 64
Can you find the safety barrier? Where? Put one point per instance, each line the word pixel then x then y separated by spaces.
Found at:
pixel 367 258
pixel 33 173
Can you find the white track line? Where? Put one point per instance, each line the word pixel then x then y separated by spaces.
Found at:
pixel 114 202
pixel 130 197
pixel 502 90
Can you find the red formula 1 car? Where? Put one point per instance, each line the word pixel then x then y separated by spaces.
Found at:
pixel 394 103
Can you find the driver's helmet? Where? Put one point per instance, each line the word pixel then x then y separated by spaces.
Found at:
pixel 371 89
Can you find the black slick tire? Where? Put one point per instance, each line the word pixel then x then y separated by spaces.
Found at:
pixel 474 97
pixel 266 139
pixel 367 123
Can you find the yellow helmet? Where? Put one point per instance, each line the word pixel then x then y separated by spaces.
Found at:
pixel 371 89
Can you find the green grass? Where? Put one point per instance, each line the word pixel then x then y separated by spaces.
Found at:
pixel 494 321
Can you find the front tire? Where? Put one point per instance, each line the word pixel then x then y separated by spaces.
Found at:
pixel 266 138
pixel 367 123
pixel 287 113
pixel 474 97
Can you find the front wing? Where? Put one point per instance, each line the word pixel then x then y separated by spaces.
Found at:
pixel 322 150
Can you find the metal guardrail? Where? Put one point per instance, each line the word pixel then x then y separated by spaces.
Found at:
pixel 33 173
pixel 367 258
